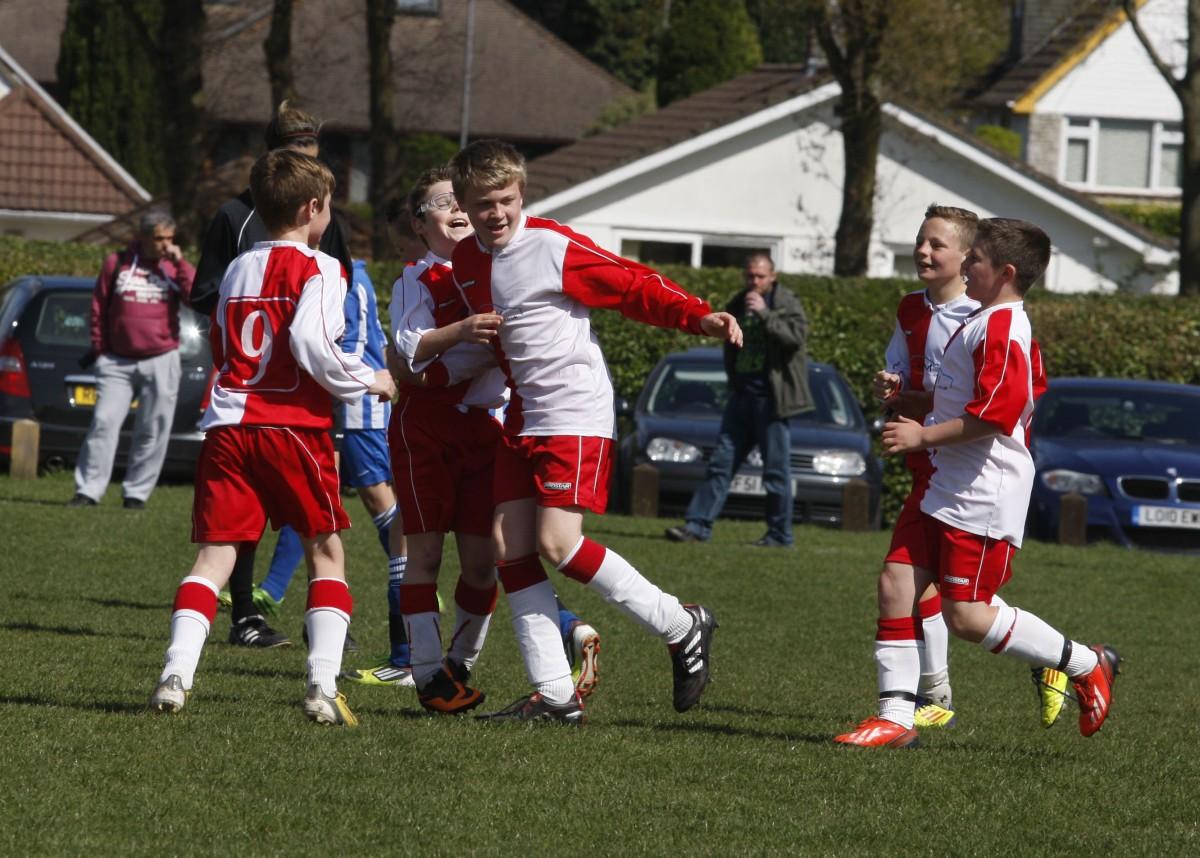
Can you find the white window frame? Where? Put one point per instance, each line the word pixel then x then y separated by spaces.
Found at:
pixel 1090 133
pixel 697 240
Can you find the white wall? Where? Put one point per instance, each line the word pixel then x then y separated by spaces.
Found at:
pixel 48 226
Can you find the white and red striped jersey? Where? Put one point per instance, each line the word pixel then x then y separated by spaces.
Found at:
pixel 274 340
pixel 424 297
pixel 542 283
pixel 917 345
pixel 983 486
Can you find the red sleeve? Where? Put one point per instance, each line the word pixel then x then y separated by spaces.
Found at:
pixel 1001 376
pixel 596 278
pixel 100 301
pixel 1038 370
pixel 185 278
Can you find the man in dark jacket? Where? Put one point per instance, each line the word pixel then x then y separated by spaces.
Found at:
pixel 768 383
pixel 135 344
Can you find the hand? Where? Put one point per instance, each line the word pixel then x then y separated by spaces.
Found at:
pixel 172 252
pixel 479 329
pixel 902 436
pixel 384 386
pixel 722 326
pixel 755 303
pixel 885 385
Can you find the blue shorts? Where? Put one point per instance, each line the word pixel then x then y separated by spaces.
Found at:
pixel 365 460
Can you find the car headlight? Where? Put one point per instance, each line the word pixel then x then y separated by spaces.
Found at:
pixel 1061 480
pixel 839 463
pixel 671 450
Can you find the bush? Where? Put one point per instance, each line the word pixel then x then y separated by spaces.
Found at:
pixel 1163 219
pixel 999 137
pixel 19 256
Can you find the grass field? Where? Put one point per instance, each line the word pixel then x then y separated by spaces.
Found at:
pixel 85 596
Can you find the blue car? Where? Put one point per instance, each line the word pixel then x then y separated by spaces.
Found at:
pixel 677 419
pixel 1132 448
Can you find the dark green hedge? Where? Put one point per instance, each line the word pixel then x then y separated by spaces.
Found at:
pixel 19 256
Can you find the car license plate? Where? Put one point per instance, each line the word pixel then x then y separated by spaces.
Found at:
pixel 1166 516
pixel 745 484
pixel 84 395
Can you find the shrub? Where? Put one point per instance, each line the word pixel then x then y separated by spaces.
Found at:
pixel 999 137
pixel 1163 219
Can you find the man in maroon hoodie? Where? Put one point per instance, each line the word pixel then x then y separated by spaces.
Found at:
pixel 135 340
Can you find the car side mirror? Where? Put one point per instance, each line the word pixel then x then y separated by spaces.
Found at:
pixel 623 408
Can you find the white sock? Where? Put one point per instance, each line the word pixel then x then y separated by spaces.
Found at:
pixel 470 631
pixel 535 625
pixel 557 691
pixel 620 584
pixel 326 628
pixel 189 630
pixel 424 645
pixel 1025 636
pixel 1083 660
pixel 898 668
pixel 934 659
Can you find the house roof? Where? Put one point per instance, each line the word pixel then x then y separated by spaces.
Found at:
pixel 526 84
pixel 764 95
pixel 48 163
pixel 765 87
pixel 1019 86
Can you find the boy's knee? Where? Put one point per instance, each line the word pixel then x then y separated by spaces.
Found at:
pixel 967 620
pixel 552 548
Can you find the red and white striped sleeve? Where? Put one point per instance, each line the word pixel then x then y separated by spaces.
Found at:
pixel 411 312
pixel 1002 379
pixel 596 278
pixel 319 322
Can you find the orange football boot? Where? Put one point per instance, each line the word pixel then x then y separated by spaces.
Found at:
pixel 1093 690
pixel 876 732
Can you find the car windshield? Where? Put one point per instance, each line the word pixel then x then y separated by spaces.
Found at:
pixel 700 390
pixel 1137 415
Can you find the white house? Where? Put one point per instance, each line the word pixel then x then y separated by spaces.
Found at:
pixel 756 163
pixel 1091 108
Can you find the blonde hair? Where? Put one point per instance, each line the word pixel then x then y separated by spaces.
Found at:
pixel 283 180
pixel 487 165
pixel 964 221
pixel 291 127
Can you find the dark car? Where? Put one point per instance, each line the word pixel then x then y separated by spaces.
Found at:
pixel 677 418
pixel 1132 448
pixel 44 332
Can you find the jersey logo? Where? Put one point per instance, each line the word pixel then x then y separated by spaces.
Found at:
pixel 954 579
pixel 558 487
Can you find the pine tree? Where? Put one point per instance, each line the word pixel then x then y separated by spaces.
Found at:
pixel 707 42
pixel 107 82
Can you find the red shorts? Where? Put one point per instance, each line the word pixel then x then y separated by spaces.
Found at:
pixel 968 567
pixel 249 473
pixel 908 536
pixel 557 470
pixel 442 461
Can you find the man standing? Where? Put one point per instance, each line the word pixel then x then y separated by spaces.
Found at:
pixel 135 342
pixel 768 383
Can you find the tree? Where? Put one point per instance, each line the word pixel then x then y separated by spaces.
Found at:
pixel 278 49
pixel 381 14
pixel 851 36
pixel 706 42
pixel 783 30
pixel 106 83
pixel 1187 90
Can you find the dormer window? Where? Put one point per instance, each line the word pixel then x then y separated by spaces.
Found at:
pixel 418 7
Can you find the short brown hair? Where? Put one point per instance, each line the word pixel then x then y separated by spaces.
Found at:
pixel 416 194
pixel 964 221
pixel 281 181
pixel 487 164
pixel 1019 243
pixel 291 127
pixel 760 256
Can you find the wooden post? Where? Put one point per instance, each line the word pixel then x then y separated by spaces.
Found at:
pixel 856 505
pixel 644 494
pixel 1072 519
pixel 26 435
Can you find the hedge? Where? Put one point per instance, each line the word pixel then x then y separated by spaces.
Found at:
pixel 850 322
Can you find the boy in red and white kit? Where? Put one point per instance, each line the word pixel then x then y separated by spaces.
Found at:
pixel 267 450
pixel 541 278
pixel 974 508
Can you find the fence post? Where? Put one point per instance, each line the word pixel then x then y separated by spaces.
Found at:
pixel 1072 519
pixel 26 437
pixel 644 494
pixel 856 505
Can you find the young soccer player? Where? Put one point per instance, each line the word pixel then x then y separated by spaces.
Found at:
pixel 444 441
pixel 267 450
pixel 541 278
pixel 974 508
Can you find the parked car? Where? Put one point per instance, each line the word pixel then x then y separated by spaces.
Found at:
pixel 1132 448
pixel 677 418
pixel 44 332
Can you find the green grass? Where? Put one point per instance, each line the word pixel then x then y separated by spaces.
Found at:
pixel 84 601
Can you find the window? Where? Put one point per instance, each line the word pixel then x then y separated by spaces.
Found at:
pixel 696 250
pixel 657 252
pixel 418 7
pixel 65 319
pixel 1117 154
pixel 727 256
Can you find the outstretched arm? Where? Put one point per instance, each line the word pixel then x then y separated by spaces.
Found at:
pixel 908 436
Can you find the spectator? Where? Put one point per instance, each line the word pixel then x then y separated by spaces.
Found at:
pixel 135 345
pixel 768 383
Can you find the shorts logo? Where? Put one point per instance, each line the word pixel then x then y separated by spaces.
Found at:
pixel 953 579
pixel 558 487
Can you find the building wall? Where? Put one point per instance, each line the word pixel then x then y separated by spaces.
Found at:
pixel 43 226
pixel 1043 143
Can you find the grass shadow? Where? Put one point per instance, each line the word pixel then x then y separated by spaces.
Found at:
pixel 698 727
pixel 121 707
pixel 126 603
pixel 74 631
